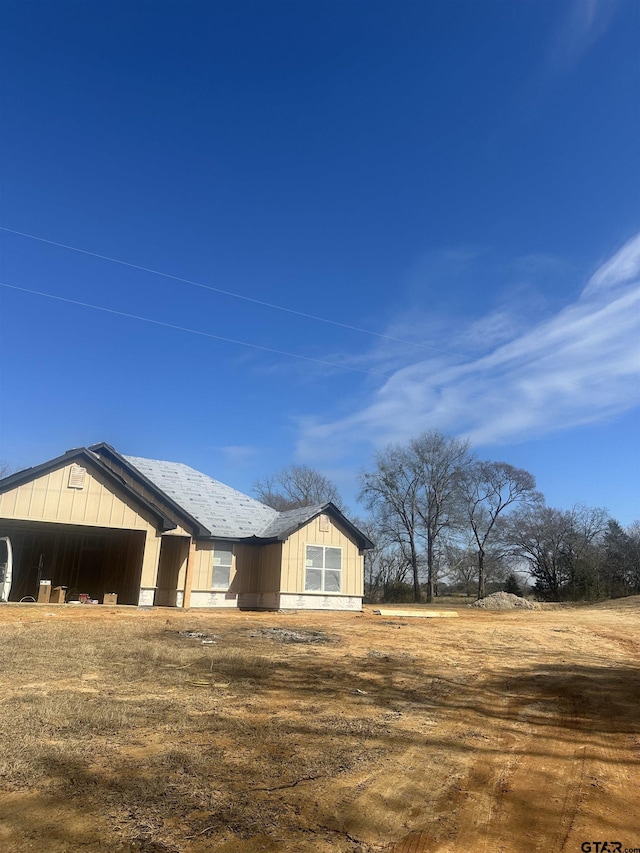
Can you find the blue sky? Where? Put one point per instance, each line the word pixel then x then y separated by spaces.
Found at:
pixel 457 182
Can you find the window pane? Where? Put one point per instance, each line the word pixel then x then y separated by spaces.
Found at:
pixel 222 555
pixel 333 558
pixel 313 580
pixel 314 556
pixel 331 581
pixel 220 577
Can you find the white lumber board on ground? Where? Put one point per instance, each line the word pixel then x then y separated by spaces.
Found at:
pixel 420 614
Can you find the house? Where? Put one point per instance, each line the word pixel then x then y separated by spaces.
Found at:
pixel 161 533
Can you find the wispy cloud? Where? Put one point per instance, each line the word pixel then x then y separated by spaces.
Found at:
pixel 585 22
pixel 579 365
pixel 238 454
pixel 622 268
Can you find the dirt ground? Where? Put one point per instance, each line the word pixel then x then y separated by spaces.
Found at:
pixel 501 732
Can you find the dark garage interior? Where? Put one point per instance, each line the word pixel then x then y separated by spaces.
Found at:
pixel 87 560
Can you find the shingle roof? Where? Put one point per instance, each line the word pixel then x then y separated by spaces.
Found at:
pixel 287 522
pixel 226 512
pixel 292 519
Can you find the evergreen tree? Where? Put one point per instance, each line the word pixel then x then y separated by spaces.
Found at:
pixel 511 585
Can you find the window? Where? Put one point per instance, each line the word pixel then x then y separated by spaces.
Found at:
pixel 222 556
pixel 323 569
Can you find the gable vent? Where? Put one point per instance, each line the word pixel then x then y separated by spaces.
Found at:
pixel 76 477
pixel 323 523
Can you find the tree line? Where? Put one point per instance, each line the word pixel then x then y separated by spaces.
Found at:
pixel 439 515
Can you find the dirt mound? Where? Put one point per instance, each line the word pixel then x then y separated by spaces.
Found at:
pixel 504 601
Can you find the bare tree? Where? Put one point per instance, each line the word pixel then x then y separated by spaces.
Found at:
pixel 633 567
pixel 373 557
pixel 461 565
pixel 297 486
pixel 538 535
pixel 559 547
pixel 5 469
pixel 440 462
pixel 391 494
pixel 414 493
pixel 391 578
pixel 490 488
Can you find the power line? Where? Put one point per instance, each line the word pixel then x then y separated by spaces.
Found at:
pixel 230 293
pixel 200 333
pixel 193 331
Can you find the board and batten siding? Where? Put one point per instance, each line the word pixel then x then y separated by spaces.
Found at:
pixel 247 566
pixel 254 578
pixel 270 568
pixel 243 566
pixel 294 558
pixel 202 592
pixel 97 504
pixel 203 566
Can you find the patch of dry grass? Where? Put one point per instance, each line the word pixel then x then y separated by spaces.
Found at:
pixel 172 738
pixel 149 741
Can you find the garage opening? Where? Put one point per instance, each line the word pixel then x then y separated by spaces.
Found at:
pixel 87 560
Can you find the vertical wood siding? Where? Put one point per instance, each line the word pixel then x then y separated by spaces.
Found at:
pixel 247 564
pixel 203 566
pixel 49 498
pixel 270 568
pixel 294 556
pixel 239 580
pixel 98 504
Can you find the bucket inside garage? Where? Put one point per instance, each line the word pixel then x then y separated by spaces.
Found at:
pixel 87 560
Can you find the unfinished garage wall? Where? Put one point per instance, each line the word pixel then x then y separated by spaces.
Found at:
pixel 94 563
pixel 83 498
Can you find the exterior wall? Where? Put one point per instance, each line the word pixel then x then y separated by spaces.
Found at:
pixel 202 595
pixel 247 564
pixel 213 599
pixel 270 568
pixel 304 601
pixel 172 570
pixel 202 567
pixel 259 601
pixel 48 498
pixel 294 556
pixel 271 577
pixel 182 571
pixel 310 601
pixel 244 570
pixel 254 579
pixel 150 561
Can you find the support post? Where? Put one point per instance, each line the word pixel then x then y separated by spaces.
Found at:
pixel 188 578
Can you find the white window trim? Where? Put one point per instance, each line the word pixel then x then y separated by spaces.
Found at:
pixel 213 588
pixel 323 570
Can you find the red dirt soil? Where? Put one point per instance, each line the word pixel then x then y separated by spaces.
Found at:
pixel 505 732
